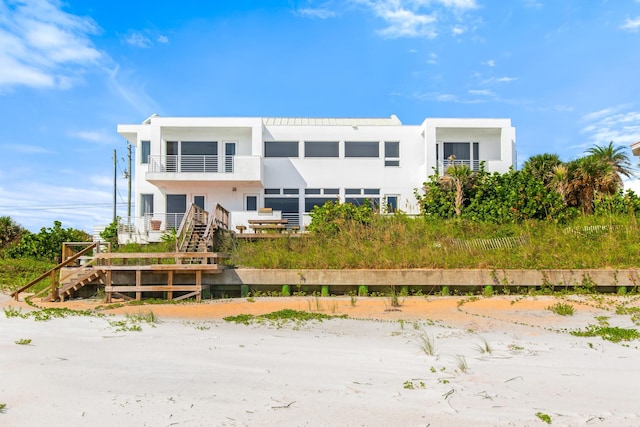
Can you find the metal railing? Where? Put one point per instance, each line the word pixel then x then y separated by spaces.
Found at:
pixel 474 165
pixel 151 222
pixel 191 163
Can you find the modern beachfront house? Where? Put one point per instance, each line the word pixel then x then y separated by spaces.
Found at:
pixel 290 165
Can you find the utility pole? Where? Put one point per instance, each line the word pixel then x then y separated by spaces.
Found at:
pixel 129 192
pixel 115 182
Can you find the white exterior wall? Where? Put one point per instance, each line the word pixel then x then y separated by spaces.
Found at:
pixel 253 173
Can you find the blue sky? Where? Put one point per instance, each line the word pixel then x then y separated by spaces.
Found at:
pixel 565 72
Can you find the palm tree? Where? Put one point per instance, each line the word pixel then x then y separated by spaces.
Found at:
pixel 559 181
pixel 588 176
pixel 457 176
pixel 616 158
pixel 541 166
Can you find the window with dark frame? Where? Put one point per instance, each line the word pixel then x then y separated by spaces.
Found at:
pixel 392 153
pixel 145 151
pixel 281 149
pixel 367 149
pixel 321 149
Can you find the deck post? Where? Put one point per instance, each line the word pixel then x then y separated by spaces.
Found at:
pixel 170 284
pixel 108 284
pixel 198 285
pixel 54 286
pixel 138 285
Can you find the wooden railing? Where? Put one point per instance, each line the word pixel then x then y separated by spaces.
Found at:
pixel 68 258
pixel 221 217
pixel 195 216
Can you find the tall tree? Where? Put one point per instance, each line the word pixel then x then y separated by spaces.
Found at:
pixel 616 157
pixel 541 166
pixel 457 176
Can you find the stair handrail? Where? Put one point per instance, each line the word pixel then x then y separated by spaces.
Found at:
pixel 221 216
pixel 195 215
pixel 52 272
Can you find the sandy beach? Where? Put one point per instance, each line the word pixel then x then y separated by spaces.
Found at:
pixel 497 361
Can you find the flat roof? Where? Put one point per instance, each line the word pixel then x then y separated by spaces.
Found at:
pixel 329 121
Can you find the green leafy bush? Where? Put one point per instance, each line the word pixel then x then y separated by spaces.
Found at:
pixel 47 243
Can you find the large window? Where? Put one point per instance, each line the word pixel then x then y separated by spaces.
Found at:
pixel 145 151
pixel 361 149
pixel 392 153
pixel 146 202
pixel 360 196
pixel 281 148
pixel 321 149
pixel 467 153
pixel 318 197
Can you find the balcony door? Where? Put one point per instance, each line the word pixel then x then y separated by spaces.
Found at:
pixel 229 153
pixel 463 153
pixel 176 207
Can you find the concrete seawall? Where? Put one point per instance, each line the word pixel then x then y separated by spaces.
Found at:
pixel 429 277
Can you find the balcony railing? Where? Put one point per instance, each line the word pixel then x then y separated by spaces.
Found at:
pixel 474 165
pixel 191 163
pixel 150 222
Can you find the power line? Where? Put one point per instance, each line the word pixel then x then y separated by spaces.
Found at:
pixel 49 207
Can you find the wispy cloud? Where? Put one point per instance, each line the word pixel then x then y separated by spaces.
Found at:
pixel 532 4
pixel 494 80
pixel 318 13
pixel 481 92
pixel 490 63
pixel 101 136
pixel 35 203
pixel 417 18
pixel 631 25
pixel 445 97
pixel 43 46
pixel 133 92
pixel 27 149
pixel 612 124
pixel 143 39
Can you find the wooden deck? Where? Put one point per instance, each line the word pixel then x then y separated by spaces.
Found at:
pixel 167 263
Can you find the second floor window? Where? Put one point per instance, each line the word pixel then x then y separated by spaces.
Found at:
pixel 281 149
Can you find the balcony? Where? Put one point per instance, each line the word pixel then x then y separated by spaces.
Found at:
pixel 474 165
pixel 223 169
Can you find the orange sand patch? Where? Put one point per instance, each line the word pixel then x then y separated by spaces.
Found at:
pixel 478 314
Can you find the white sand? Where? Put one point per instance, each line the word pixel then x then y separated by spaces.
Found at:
pixel 80 372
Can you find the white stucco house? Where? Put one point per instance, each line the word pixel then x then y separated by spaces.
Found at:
pixel 293 164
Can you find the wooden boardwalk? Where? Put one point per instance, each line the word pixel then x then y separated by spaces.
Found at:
pixel 137 273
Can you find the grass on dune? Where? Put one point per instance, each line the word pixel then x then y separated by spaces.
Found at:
pixel 402 242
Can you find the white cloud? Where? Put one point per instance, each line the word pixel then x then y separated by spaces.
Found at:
pixel 133 92
pixel 143 38
pixel 37 204
pixel 433 58
pixel 481 92
pixel 623 128
pixel 137 39
pixel 27 149
pixel 43 46
pixel 457 30
pixel 319 13
pixel 101 136
pixel 494 80
pixel 490 63
pixel 532 4
pixel 631 25
pixel 417 18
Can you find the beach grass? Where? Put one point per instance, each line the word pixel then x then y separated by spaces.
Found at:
pixel 399 241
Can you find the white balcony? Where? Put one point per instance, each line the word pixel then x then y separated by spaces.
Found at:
pixel 224 169
pixel 474 165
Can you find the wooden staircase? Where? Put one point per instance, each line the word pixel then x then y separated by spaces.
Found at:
pixel 67 277
pixel 198 227
pixel 77 279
